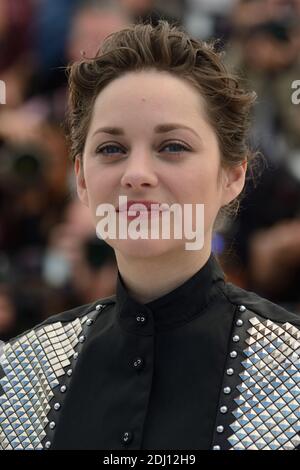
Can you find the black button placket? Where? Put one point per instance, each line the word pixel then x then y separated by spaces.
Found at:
pixel 141 366
pixel 231 379
pixel 138 363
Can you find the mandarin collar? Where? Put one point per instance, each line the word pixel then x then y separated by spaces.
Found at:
pixel 178 306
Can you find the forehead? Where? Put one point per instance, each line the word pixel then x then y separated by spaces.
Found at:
pixel 151 95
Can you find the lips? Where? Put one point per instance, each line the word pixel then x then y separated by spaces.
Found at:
pixel 140 206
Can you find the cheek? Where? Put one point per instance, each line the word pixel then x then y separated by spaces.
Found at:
pixel 203 188
pixel 98 185
pixel 200 186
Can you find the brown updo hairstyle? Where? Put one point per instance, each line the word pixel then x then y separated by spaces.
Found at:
pixel 165 47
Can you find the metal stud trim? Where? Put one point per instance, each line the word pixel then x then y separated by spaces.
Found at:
pixel 268 407
pixel 31 368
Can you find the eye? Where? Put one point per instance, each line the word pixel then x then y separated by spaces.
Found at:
pixel 177 147
pixel 114 149
pixel 111 149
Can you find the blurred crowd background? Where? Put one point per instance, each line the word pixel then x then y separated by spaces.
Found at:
pixel 50 259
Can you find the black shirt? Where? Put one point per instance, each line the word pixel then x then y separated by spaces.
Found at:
pixel 206 366
pixel 168 398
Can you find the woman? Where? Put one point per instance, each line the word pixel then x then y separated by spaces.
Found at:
pixel 178 359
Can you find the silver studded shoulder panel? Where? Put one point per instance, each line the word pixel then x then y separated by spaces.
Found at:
pixel 32 370
pixel 262 387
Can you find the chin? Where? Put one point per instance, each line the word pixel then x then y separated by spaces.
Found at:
pixel 146 248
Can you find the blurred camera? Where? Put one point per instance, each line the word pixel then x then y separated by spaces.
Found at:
pixel 26 164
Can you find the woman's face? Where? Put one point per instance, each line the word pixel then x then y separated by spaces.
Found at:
pixel 178 163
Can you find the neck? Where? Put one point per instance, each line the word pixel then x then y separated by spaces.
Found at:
pixel 150 278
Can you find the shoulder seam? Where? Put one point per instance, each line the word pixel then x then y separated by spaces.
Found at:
pixel 254 310
pixel 53 318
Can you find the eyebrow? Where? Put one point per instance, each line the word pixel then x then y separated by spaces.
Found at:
pixel 159 129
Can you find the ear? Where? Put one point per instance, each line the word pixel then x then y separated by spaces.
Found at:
pixel 80 181
pixel 233 182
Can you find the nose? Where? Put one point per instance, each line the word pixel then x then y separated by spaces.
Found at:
pixel 139 172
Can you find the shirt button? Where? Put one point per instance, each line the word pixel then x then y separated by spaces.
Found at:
pixel 138 363
pixel 141 318
pixel 127 437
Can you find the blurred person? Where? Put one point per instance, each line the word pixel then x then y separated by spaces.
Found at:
pixel 161 364
pixel 270 207
pixel 267 54
pixel 16 59
pixel 45 100
pixel 91 23
pixel 265 49
pixel 43 104
pixel 50 30
pixel 15 17
pixel 62 30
